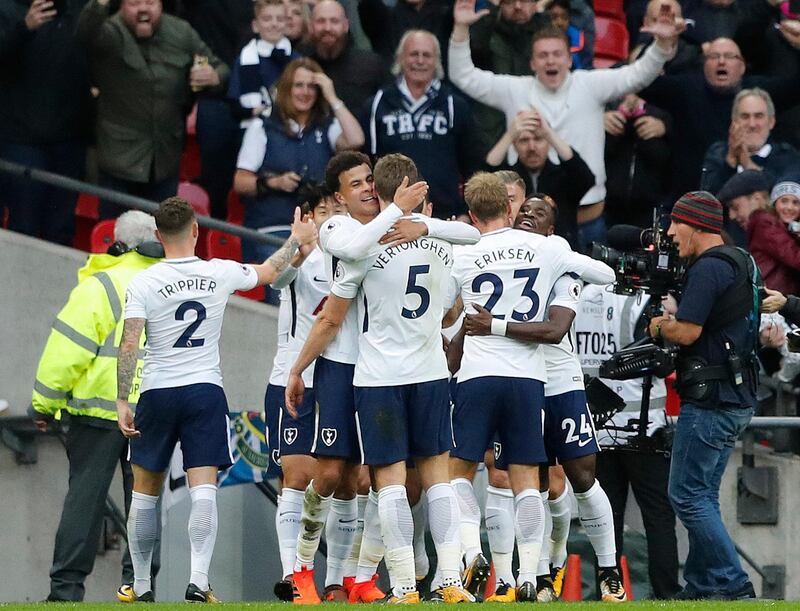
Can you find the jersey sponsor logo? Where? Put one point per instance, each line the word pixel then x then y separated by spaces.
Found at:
pixel 289 436
pixel 498 450
pixel 595 343
pixel 328 436
pixel 276 457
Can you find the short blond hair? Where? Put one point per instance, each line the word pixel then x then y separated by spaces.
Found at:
pixel 486 196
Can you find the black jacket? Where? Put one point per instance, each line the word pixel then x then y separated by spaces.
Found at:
pixel 566 183
pixel 438 136
pixel 44 77
pixel 384 26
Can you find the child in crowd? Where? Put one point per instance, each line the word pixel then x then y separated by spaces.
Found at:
pixel 559 15
pixel 260 62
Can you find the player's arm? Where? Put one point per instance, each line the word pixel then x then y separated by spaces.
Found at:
pixel 324 329
pixel 126 367
pixel 566 261
pixel 303 232
pixel 550 331
pixel 351 242
pixel 409 229
pixel 287 276
pixel 455 350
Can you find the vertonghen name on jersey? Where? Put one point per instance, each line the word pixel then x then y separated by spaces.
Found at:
pixel 437 248
pixel 190 284
pixel 504 254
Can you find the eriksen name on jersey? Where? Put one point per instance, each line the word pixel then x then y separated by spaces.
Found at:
pixel 504 254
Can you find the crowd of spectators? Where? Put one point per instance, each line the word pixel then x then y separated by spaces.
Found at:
pixel 710 90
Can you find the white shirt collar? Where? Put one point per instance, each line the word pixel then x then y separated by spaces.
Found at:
pixel 265 48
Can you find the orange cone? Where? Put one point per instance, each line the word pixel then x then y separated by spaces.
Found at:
pixel 490 583
pixel 626 576
pixel 573 589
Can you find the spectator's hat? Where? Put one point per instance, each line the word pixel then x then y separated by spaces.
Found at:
pixel 785 187
pixel 745 183
pixel 699 209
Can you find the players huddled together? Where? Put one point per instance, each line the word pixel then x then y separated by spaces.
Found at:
pixel 410 349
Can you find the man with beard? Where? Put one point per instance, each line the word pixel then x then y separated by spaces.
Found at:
pixel 146 66
pixel 356 74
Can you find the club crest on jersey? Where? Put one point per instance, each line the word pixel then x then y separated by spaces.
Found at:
pixel 276 457
pixel 498 450
pixel 289 435
pixel 328 436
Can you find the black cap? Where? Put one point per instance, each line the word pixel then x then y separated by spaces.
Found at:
pixel 745 183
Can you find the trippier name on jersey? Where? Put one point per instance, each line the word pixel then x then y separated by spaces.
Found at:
pixel 190 284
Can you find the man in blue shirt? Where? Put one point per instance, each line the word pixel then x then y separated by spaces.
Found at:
pixel 714 327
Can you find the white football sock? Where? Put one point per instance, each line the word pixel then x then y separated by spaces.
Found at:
pixel 544 556
pixel 500 531
pixel 397 527
pixel 420 514
pixel 287 524
pixel 312 521
pixel 470 520
pixel 444 524
pixel 530 529
pixel 202 532
pixel 142 528
pixel 339 531
pixel 594 510
pixel 372 548
pixel 561 516
pixel 351 565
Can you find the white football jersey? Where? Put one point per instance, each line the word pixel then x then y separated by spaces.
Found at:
pixel 307 294
pixel 511 273
pixel 563 367
pixel 604 324
pixel 280 368
pixel 400 294
pixel 183 302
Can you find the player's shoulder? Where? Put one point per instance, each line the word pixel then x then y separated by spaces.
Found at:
pixel 336 223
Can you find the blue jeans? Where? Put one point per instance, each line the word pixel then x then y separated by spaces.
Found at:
pixel 591 231
pixel 704 439
pixel 35 208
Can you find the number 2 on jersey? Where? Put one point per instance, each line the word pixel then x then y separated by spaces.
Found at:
pixel 527 291
pixel 413 288
pixel 186 340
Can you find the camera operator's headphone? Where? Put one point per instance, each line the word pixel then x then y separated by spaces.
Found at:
pixel 149 248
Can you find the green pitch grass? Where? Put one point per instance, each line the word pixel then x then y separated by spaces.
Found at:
pixel 561 606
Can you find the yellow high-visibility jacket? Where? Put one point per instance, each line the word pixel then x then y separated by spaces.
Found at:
pixel 78 369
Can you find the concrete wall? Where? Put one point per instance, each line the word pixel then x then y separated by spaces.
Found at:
pixel 36 278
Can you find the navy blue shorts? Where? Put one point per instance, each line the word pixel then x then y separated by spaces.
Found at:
pixel 335 431
pixel 296 437
pixel 400 422
pixel 273 404
pixel 509 407
pixel 568 427
pixel 196 415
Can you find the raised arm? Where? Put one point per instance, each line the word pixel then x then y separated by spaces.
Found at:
pixel 303 232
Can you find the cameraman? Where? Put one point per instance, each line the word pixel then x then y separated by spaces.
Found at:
pixel 716 328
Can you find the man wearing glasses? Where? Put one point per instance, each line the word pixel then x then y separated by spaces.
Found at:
pixel 701 105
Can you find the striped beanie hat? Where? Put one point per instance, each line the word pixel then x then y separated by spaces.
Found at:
pixel 699 209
